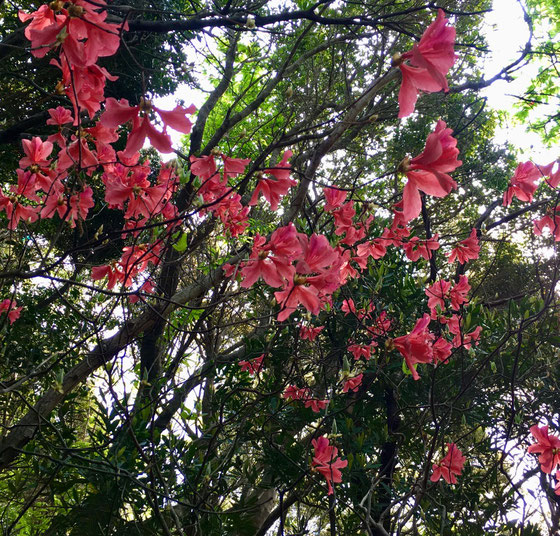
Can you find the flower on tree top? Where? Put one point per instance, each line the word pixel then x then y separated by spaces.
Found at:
pixel 428 64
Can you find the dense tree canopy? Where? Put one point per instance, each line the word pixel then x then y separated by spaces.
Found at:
pixel 332 311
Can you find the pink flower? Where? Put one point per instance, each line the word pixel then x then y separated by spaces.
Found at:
pixel 428 172
pixel 274 270
pixel 348 306
pixel 458 293
pixel 551 221
pixel 119 112
pixel 326 461
pixel 442 350
pixel 361 350
pixel 111 271
pixel 253 366
pixel 381 325
pixel 523 183
pixel 374 248
pixel 352 384
pixel 59 116
pixel 147 288
pixel 334 198
pixel 429 63
pixel 465 250
pixel 84 86
pixel 315 404
pixel 437 293
pixel 293 392
pixel 450 466
pixel 416 248
pixel 548 446
pixel 416 347
pixel 79 27
pixel 36 152
pixel 462 339
pixel 310 333
pixel 10 307
pixel 277 185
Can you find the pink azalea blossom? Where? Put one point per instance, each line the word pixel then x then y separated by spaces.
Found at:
pixel 78 26
pixel 315 404
pixel 466 250
pixel 326 461
pixel 429 62
pixel 292 392
pixel 458 293
pixel 442 350
pixel 37 152
pixel 461 338
pixel 310 333
pixel 119 112
pixel 334 198
pixel 253 366
pixel 450 466
pixel 416 248
pixel 361 350
pixel 437 294
pixel 416 347
pixel 59 116
pixel 548 446
pixel 276 185
pixel 10 307
pixel 352 384
pixel 551 221
pixel 428 172
pixel 523 183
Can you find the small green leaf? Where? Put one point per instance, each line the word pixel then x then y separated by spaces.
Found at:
pixel 181 244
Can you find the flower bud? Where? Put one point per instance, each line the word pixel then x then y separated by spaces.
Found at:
pixel 396 60
pixel 404 166
pixel 250 24
pixel 75 11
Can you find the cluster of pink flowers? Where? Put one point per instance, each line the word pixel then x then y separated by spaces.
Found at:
pixel 303 394
pixel 253 366
pixel 421 345
pixel 306 269
pixel 218 196
pixel 466 250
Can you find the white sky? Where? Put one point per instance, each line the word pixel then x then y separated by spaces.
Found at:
pixel 507 34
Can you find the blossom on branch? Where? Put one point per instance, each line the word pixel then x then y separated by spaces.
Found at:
pixel 548 446
pixel 10 307
pixel 450 466
pixel 416 347
pixel 428 172
pixel 326 461
pixel 429 62
pixel 466 250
